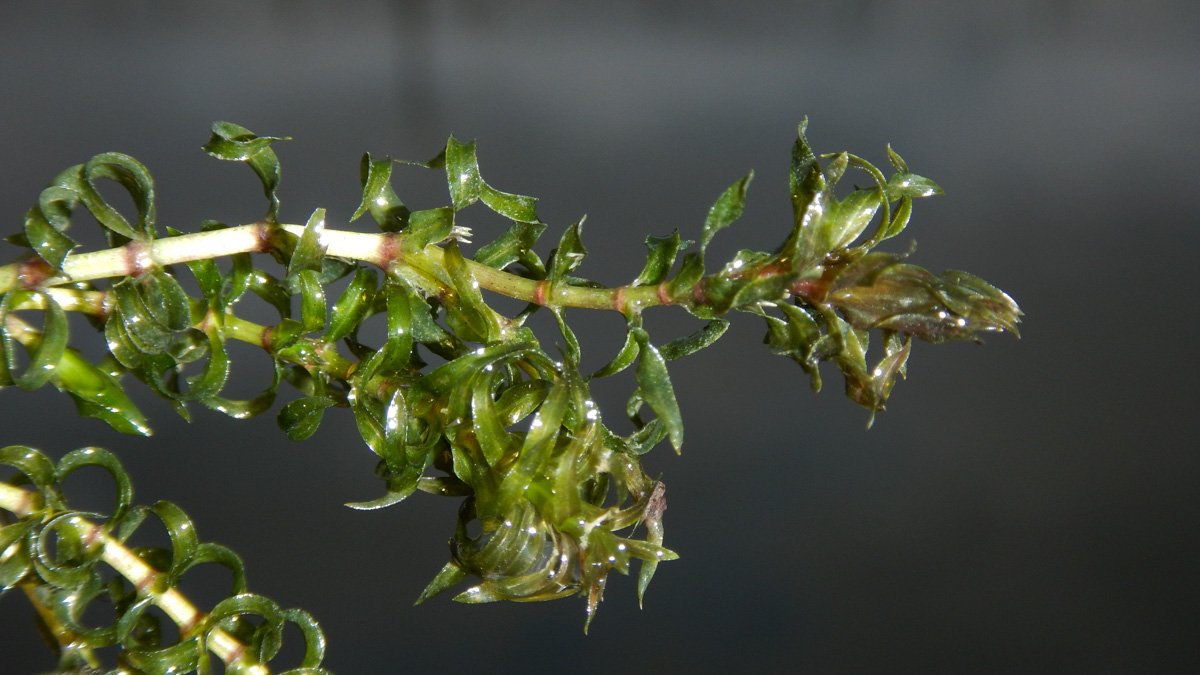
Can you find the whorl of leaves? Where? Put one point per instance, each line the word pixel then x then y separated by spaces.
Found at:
pixel 55 553
pixel 459 399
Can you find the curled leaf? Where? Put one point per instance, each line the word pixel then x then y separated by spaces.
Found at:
pixel 660 257
pixel 236 143
pixel 379 199
pixel 353 306
pixel 300 418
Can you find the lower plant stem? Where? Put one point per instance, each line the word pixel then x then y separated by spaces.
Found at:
pixel 174 604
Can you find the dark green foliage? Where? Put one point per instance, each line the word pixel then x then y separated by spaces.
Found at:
pixel 54 553
pixel 558 499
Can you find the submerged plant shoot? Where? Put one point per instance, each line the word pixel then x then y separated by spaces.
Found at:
pixel 458 399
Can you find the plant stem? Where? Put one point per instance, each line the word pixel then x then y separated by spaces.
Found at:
pixel 383 250
pixel 95 303
pixel 126 563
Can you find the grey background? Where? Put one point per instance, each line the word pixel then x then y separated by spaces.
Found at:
pixel 1026 506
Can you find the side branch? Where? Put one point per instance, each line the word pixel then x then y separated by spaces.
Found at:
pixel 126 563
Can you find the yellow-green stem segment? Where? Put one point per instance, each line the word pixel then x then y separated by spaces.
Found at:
pixel 379 249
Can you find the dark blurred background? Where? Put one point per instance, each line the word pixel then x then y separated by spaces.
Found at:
pixel 1028 506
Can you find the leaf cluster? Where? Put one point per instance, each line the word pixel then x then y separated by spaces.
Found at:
pixel 54 552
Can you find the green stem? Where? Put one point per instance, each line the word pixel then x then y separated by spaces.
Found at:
pixel 379 249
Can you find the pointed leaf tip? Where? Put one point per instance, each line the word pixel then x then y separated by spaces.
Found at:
pixel 727 209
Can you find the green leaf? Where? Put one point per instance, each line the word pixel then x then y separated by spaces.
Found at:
pixel 518 208
pixel 46 351
pixel 899 219
pixel 727 209
pixel 14 557
pixel 846 219
pixel 426 331
pixel 660 257
pixel 378 197
pixel 486 419
pixel 441 380
pixel 249 604
pixel 314 641
pixel 570 252
pixel 808 192
pixel 242 409
pixel 985 307
pixel 131 175
pixel 67 563
pixel 166 300
pixel 120 345
pixel 520 400
pixel 51 244
pixel 182 533
pixel 644 439
pixel 799 337
pixel 468 187
pixel 684 346
pixel 402 463
pixel 911 185
pixel 690 273
pixel 836 168
pixel 897 161
pixel 98 394
pixel 300 418
pixel 510 246
pixel 451 573
pixel 805 179
pixel 212 379
pixel 99 457
pixel 312 300
pixel 353 306
pixel 535 451
pixel 309 249
pixel 36 467
pixel 654 383
pixel 428 227
pixel 140 323
pixel 399 306
pixel 482 321
pixel 623 359
pixel 366 418
pixel 208 278
pixel 179 657
pixel 462 173
pixel 270 290
pixel 570 342
pixel 233 142
pixel 60 198
pixel 210 553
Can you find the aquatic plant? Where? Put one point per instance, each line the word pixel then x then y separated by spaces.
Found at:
pixel 458 399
